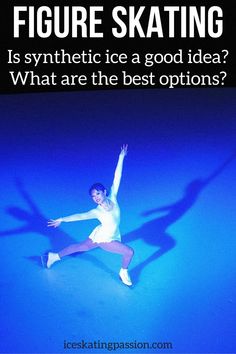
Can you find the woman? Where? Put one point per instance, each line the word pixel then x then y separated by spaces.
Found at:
pixel 107 234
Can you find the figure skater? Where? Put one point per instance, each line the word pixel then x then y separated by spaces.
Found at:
pixel 106 235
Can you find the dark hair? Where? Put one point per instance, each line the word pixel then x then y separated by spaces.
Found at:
pixel 98 187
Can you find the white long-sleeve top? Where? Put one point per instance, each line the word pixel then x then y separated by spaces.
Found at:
pixel 108 230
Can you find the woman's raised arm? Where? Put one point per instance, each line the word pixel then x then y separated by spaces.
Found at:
pixel 118 170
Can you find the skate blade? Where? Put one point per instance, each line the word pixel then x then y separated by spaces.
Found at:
pixel 129 286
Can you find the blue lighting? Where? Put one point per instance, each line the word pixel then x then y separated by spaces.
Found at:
pixel 177 199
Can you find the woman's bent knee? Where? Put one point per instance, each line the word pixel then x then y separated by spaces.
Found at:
pixel 130 251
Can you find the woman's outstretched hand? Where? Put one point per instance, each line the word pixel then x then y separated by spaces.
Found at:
pixel 54 223
pixel 124 150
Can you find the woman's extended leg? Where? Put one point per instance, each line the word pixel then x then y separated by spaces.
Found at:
pixel 86 245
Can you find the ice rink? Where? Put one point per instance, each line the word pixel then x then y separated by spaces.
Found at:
pixel 178 204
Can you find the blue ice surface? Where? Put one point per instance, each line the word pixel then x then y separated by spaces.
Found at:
pixel 177 198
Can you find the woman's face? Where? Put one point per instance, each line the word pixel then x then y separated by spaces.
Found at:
pixel 98 196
